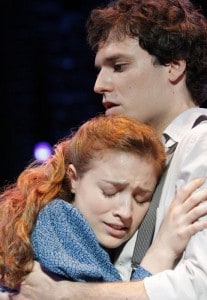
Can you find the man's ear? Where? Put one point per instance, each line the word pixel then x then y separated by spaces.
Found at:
pixel 73 177
pixel 176 70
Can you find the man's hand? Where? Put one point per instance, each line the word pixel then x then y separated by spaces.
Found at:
pixel 33 286
pixel 12 296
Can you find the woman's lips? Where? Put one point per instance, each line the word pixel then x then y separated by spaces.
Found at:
pixel 116 230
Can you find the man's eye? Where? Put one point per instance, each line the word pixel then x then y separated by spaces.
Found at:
pixel 119 67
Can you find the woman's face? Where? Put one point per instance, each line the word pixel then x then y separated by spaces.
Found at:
pixel 114 195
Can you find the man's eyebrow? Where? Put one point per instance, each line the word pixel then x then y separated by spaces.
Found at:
pixel 113 58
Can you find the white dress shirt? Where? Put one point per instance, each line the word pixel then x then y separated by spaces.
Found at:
pixel 188 281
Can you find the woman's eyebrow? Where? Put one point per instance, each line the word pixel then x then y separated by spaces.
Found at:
pixel 120 184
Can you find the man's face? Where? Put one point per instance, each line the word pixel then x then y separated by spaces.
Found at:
pixel 131 83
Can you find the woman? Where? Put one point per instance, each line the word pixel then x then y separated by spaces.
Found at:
pixel 87 199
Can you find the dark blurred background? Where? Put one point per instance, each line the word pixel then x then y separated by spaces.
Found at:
pixel 47 76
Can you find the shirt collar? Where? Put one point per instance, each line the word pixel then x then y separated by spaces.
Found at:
pixel 182 124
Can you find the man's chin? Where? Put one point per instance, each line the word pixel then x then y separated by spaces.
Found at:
pixel 113 111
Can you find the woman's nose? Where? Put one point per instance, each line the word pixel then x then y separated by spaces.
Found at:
pixel 124 208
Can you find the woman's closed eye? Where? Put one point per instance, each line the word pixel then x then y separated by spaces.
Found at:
pixel 109 194
pixel 142 199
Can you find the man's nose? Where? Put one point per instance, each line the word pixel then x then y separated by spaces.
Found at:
pixel 103 83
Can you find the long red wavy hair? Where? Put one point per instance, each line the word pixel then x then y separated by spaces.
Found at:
pixel 38 184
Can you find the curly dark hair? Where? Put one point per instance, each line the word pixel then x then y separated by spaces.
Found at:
pixel 167 29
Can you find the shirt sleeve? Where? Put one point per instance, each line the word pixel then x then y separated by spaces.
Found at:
pixel 188 281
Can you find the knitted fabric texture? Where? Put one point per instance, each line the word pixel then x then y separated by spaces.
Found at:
pixel 64 244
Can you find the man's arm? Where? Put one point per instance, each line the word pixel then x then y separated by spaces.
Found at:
pixel 38 285
pixel 102 291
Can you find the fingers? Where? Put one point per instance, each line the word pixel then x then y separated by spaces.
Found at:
pixel 36 269
pixel 36 266
pixel 200 210
pixel 4 296
pixel 198 226
pixel 11 296
pixel 197 199
pixel 188 206
pixel 191 223
pixel 183 192
pixel 193 229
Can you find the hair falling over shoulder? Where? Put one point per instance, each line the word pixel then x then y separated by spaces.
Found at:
pixel 19 207
pixel 41 183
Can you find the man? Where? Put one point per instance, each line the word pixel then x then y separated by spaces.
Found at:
pixel 152 62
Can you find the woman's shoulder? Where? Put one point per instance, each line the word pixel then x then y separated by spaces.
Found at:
pixel 61 211
pixel 58 204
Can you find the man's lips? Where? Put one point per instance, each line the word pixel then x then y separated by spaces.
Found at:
pixel 111 108
pixel 108 104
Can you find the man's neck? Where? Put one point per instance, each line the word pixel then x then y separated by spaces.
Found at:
pixel 160 126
